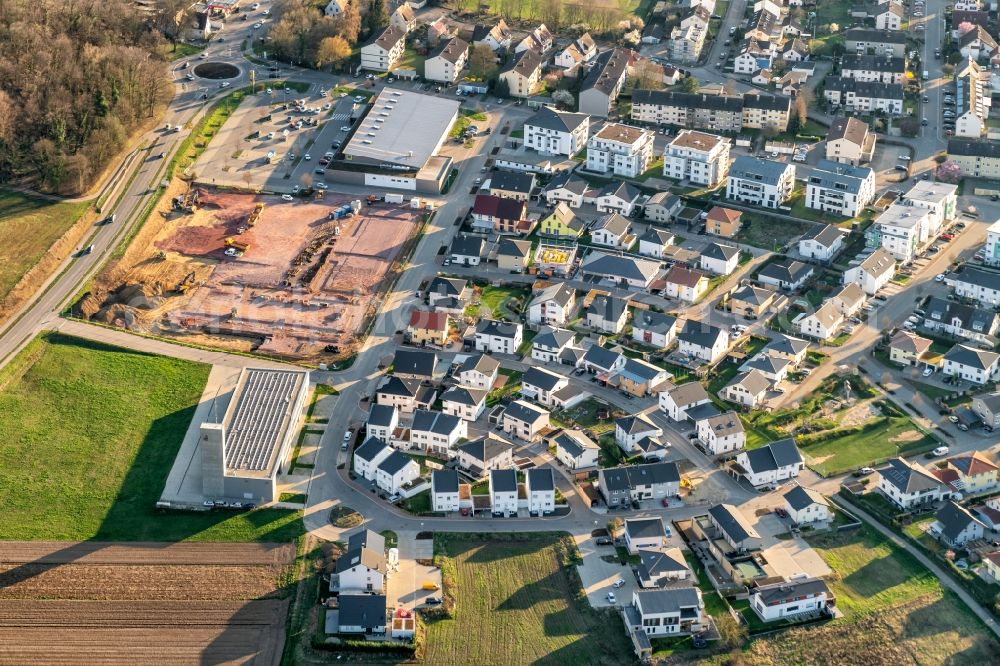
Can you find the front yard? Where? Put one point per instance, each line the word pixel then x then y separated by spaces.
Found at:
pixel 884 438
pixel 769 233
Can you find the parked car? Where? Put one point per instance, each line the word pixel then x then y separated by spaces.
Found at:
pixel 940 451
pixel 927 372
pixel 619 583
pixel 604 541
pixel 612 599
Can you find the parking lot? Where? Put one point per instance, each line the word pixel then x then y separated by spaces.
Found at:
pixel 406 583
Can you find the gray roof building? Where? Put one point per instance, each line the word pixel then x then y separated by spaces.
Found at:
pixel 464 395
pixel 644 528
pixel 720 252
pixel 540 478
pixel 541 378
pixel 968 317
pixel 496 328
pixel 487 365
pixel 800 498
pixel 979 359
pixel 438 423
pixel 370 449
pixel 669 600
pixel 559 121
pixel 700 334
pixel 366 539
pixel 841 177
pixel 733 523
pixel 553 338
pixel 755 168
pixel 953 519
pixel 650 320
pixel 520 182
pixel 775 594
pixel 445 480
pixel 773 456
pixel 485 449
pixel 381 415
pixel 394 462
pixel 468 245
pixel 908 478
pixel 503 480
pixel 619 267
pixel 414 362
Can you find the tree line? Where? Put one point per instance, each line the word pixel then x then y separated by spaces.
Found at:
pixel 302 34
pixel 76 79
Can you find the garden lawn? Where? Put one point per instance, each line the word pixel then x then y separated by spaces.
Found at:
pixel 90 434
pixel 895 612
pixel 499 302
pixel 768 232
pixel 897 435
pixel 519 601
pixel 29 226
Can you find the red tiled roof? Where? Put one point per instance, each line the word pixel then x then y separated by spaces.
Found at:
pixel 432 321
pixel 724 214
pixel 505 209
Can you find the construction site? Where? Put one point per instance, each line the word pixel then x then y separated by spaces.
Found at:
pixel 297 279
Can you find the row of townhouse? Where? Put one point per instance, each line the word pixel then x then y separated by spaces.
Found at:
pixel 507 495
pixel 726 113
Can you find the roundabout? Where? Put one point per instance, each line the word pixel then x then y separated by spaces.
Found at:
pixel 216 71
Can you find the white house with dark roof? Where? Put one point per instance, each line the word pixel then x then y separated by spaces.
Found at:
pixel 841 189
pixel 630 430
pixel 787 347
pixel 760 182
pixel 719 258
pixel 503 492
pixel 772 366
pixel 600 88
pixel 466 403
pixel 644 534
pixel 975 365
pixel 405 395
pixel 733 528
pixel 805 505
pixel 467 249
pixel 770 463
pixel 654 242
pixel 484 454
pixel 621 485
pixel 909 484
pixel 498 337
pixel 822 242
pixel 987 407
pixel 676 401
pixel 360 569
pixel 662 207
pixel 612 230
pixel 864 96
pixel 524 420
pixel 665 612
pixel 722 433
pixel 955 525
pixel 444 287
pixel 369 456
pixel 662 567
pixel 787 274
pixel 654 329
pixel 960 320
pixel 396 471
pixel 446 62
pixel 575 450
pixel 437 432
pixel 540 487
pixel 553 305
pixel 478 371
pixel 550 343
pixel 980 285
pixel 607 314
pixel 444 490
pixel 618 197
pixel 775 601
pixel 873 273
pixel 600 360
pixel 542 386
pixel 566 187
pixel 702 341
pixel 621 271
pixel 553 132
pixel 522 73
pixel 382 422
pixel 747 388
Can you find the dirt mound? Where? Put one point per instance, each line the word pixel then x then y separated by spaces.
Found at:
pixel 117 314
pixel 141 296
pixel 88 306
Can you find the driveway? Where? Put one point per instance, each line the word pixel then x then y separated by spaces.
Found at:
pixel 598 576
pixel 405 588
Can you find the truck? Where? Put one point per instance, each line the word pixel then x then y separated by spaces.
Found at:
pixel 236 246
pixel 394 198
pixel 270 156
pixel 341 212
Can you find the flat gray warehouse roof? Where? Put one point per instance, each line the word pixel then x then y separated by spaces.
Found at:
pixel 261 414
pixel 402 128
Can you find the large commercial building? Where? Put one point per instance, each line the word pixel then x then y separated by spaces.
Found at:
pixel 242 455
pixel 396 143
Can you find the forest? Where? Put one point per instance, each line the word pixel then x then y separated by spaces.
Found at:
pixel 77 77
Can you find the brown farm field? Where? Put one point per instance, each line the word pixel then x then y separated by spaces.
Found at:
pixel 143 603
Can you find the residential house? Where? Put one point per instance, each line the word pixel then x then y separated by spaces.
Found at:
pixel 862 41
pixel 665 612
pixel 577 55
pixel 361 570
pixel 405 395
pixel 603 83
pixel 697 157
pixel 516 185
pixel 414 364
pixel 724 222
pixel 654 329
pixel 960 320
pixel 719 258
pixel 539 39
pixel 760 182
pixel 395 472
pixel 873 68
pixel 444 490
pixel 427 328
pixel 873 273
pixel 553 305
pixel 631 430
pixel 600 360
pixel 612 230
pixel 553 132
pixel 550 343
pixel 467 249
pixel 369 455
pixel 382 422
pixel 786 274
pixel 766 112
pixel 977 284
pixel 685 283
pixel 513 254
pixel 644 534
pixel 662 207
pixel 623 150
pixel 402 18
pixel 823 323
pixel 618 197
pixel 979 159
pixel 654 242
pixel 908 348
pixel 662 567
pixel 639 378
pixel 722 113
pixel 500 215
pixel 849 300
pixel 524 420
pixel 677 401
pixel 772 366
pixel 977 44
pixel 747 388
pixel 575 450
pixel 607 314
pixel 565 187
pixel 841 189
pixel 702 341
pixel 485 454
pixel 786 599
pixel 561 223
pixel 625 272
pixel 383 49
pixel 805 505
pixel 546 387
pixel 770 463
pixel 987 407
pixel 619 486
pixel 540 487
pixel 478 371
pixel 335 7
pixel 751 301
pixel 503 489
pixel 523 73
pixel 447 288
pixel 864 96
pixel 976 473
pixel 463 402
pixel 498 37
pixel 821 242
pixel 909 485
pixel 687 41
pixel 733 529
pixel 498 337
pixel 722 433
pixel 850 141
pixel 955 525
pixel 974 365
